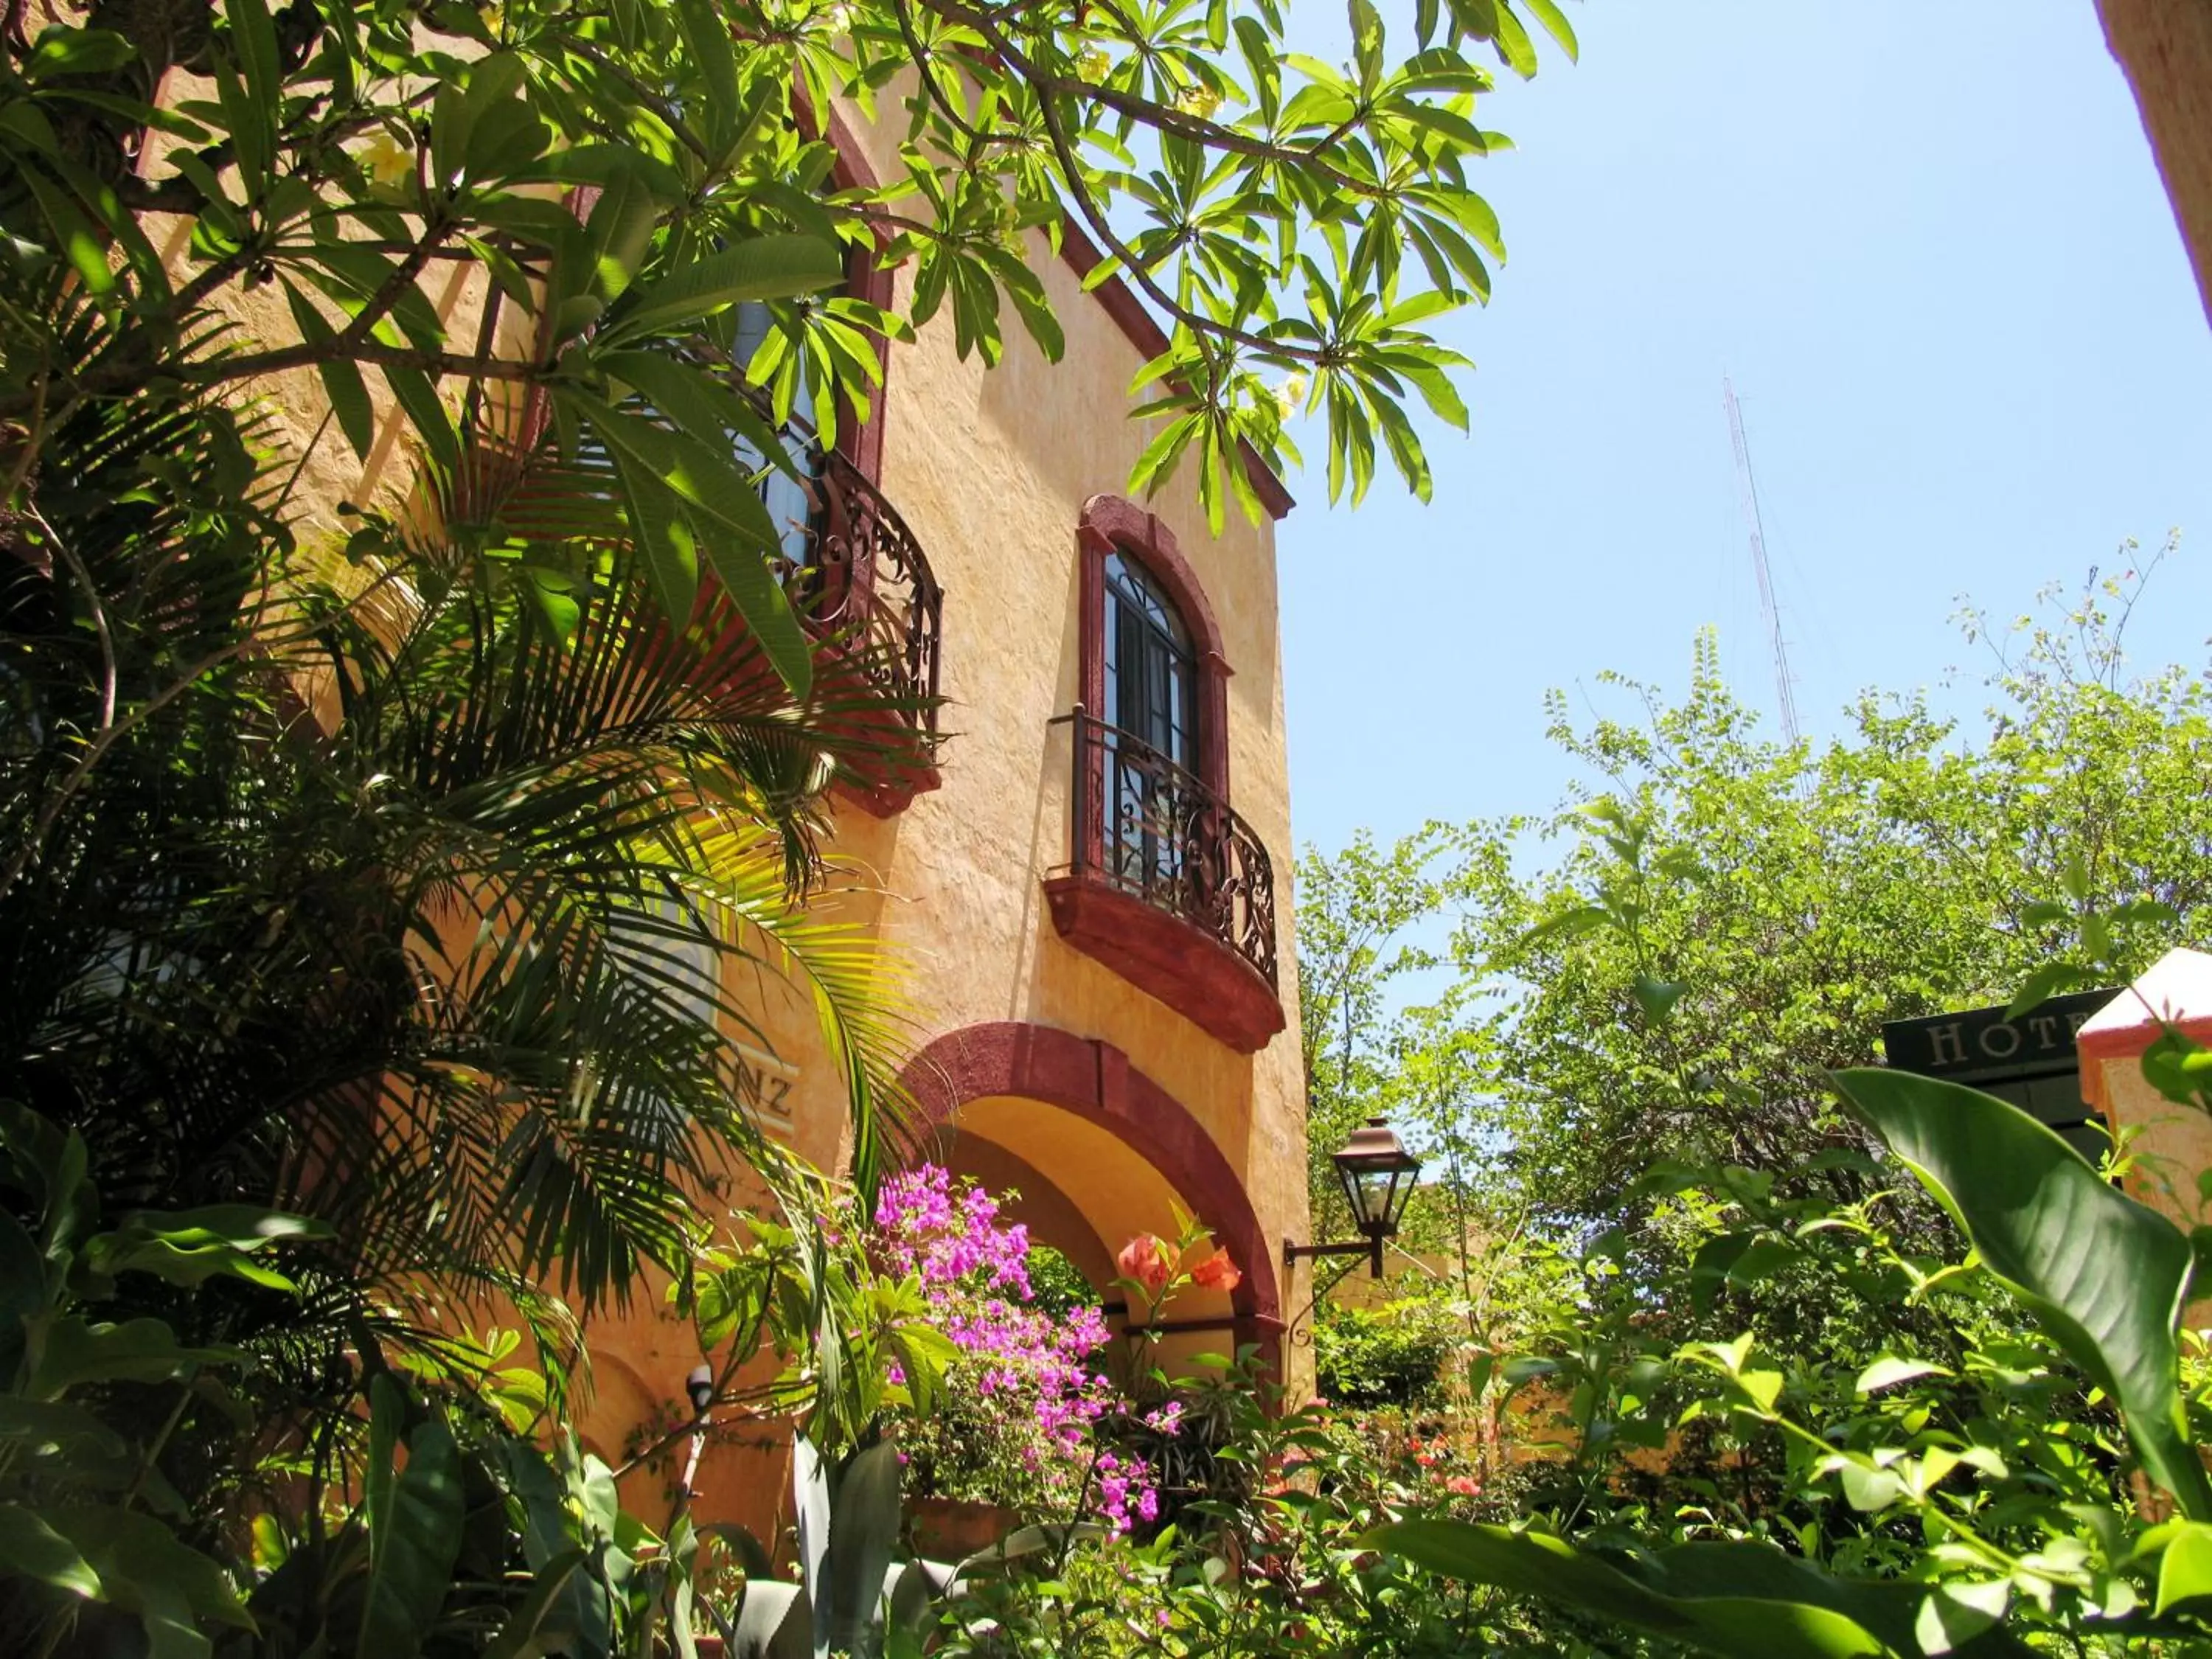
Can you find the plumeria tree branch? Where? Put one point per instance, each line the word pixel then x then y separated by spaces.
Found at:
pixel 1283 216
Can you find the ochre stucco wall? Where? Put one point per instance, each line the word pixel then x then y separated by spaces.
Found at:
pixel 991 468
pixel 2170 1145
pixel 2165 47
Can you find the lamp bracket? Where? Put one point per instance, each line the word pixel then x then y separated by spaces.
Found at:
pixel 1370 1247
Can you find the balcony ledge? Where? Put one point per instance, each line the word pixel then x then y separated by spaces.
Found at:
pixel 887 797
pixel 1169 958
pixel 867 594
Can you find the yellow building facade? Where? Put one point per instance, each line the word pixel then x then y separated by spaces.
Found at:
pixel 1093 922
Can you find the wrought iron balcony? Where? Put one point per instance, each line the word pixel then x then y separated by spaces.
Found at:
pixel 1148 831
pixel 864 580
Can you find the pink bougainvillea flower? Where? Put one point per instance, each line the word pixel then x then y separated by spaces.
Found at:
pixel 1145 1259
pixel 1031 1378
pixel 1465 1485
pixel 1217 1272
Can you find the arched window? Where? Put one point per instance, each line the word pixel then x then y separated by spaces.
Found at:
pixel 793 504
pixel 1152 658
pixel 1164 882
pixel 1150 715
pixel 1152 669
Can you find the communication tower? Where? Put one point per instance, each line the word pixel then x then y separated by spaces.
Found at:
pixel 1785 696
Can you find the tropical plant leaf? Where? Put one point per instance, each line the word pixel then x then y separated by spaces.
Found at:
pixel 810 1489
pixel 772 1622
pixel 414 1516
pixel 540 1623
pixel 76 1350
pixel 29 1548
pixel 188 1247
pixel 143 1570
pixel 769 267
pixel 2108 1278
pixel 864 1530
pixel 1744 1601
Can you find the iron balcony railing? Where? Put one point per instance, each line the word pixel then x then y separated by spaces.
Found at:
pixel 851 568
pixel 865 578
pixel 1146 827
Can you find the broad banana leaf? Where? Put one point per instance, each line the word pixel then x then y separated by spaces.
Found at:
pixel 1742 1601
pixel 2107 1277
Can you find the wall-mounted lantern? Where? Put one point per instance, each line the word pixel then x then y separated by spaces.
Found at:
pixel 699 1388
pixel 1378 1175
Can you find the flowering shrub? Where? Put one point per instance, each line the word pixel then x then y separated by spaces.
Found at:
pixel 1014 1422
pixel 1279 1568
pixel 1155 1268
pixel 1438 1456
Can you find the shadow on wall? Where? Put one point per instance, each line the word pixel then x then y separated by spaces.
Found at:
pixel 1050 1215
pixel 1064 427
pixel 1213 1081
pixel 1050 829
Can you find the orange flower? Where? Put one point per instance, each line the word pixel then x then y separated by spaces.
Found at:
pixel 1217 1272
pixel 1145 1259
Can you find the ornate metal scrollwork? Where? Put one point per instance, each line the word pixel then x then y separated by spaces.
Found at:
pixel 866 580
pixel 1152 830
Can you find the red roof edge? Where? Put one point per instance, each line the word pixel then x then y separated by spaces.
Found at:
pixel 1143 331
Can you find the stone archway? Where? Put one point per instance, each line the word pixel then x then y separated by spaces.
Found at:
pixel 1093 1081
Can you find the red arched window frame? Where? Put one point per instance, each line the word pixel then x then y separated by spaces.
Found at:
pixel 866 277
pixel 1109 523
pixel 1195 928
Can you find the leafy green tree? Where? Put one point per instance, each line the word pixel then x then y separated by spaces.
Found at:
pixel 1734 917
pixel 401 904
pixel 2025 1469
pixel 1356 910
pixel 1774 1404
pixel 1287 218
pixel 1730 919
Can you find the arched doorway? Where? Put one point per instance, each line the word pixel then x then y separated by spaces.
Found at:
pixel 1113 1147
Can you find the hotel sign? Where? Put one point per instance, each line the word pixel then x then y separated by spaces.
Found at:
pixel 1984 1045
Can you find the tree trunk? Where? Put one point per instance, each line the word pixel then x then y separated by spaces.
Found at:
pixel 2166 46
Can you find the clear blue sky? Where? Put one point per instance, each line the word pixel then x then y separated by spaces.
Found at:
pixel 1928 244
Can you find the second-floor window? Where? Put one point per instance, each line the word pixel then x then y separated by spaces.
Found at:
pixel 1151 672
pixel 1149 815
pixel 1151 710
pixel 790 503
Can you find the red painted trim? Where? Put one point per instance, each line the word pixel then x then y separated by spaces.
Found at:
pixel 1142 330
pixel 1167 957
pixel 1093 1080
pixel 888 799
pixel 2128 1041
pixel 865 278
pixel 1109 522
